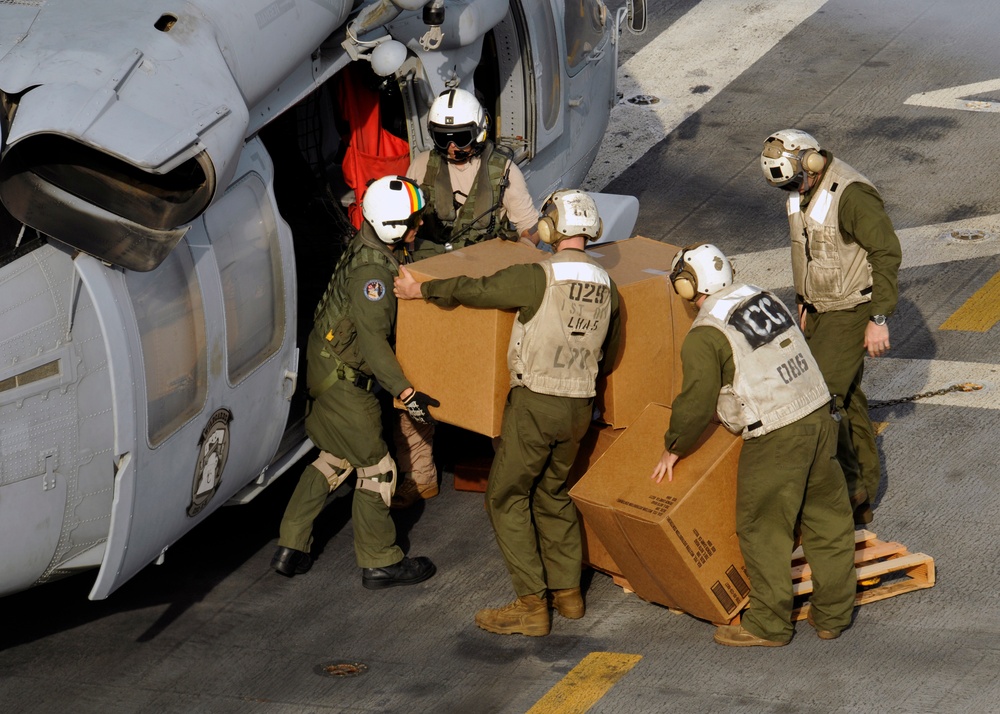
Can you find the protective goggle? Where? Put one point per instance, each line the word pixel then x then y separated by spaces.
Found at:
pixel 461 137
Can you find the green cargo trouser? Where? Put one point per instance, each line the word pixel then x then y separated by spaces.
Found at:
pixel 345 421
pixel 533 517
pixel 791 471
pixel 837 340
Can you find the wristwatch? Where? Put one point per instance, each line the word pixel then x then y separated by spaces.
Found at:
pixel 878 319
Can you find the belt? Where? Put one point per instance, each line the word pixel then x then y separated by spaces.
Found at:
pixel 812 308
pixel 342 371
pixel 363 381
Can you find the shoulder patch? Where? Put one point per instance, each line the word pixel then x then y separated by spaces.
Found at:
pixel 374 290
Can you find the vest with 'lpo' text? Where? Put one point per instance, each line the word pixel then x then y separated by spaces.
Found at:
pixel 556 352
pixel 829 273
pixel 777 380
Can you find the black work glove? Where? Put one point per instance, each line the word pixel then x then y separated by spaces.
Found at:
pixel 417 405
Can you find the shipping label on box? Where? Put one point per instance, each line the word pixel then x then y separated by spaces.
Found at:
pixel 675 542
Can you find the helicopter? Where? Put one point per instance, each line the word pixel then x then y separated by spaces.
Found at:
pixel 172 192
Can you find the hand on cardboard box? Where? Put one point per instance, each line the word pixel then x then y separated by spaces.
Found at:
pixel 418 405
pixel 665 466
pixel 404 286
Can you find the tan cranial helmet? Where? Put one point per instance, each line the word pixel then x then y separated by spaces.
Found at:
pixel 569 212
pixel 700 269
pixel 786 154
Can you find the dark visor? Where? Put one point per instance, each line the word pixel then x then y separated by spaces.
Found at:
pixel 411 222
pixel 461 137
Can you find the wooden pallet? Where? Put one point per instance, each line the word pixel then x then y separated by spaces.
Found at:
pixel 884 568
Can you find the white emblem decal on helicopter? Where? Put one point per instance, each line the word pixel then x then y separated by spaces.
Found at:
pixel 213 450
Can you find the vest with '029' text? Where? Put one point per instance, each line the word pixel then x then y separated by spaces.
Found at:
pixel 557 351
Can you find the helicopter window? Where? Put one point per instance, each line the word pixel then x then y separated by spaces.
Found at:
pixel 547 68
pixel 244 233
pixel 584 29
pixel 171 321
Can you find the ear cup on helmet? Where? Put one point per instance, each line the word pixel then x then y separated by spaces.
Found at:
pixel 812 161
pixel 547 232
pixel 685 285
pixel 548 223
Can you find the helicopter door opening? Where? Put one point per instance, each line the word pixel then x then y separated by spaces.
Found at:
pixel 501 86
pixel 542 53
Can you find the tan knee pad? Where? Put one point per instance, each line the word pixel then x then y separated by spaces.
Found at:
pixel 370 478
pixel 334 469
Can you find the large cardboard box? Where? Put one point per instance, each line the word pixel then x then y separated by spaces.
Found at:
pixel 654 323
pixel 459 355
pixel 598 439
pixel 675 542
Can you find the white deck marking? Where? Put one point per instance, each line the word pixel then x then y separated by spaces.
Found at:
pixel 959 97
pixel 892 378
pixel 925 245
pixel 689 54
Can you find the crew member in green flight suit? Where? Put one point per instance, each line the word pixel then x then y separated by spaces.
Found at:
pixel 567 329
pixel 746 359
pixel 845 266
pixel 349 357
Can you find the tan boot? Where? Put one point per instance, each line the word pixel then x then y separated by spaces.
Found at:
pixel 822 634
pixel 568 603
pixel 428 490
pixel 408 492
pixel 528 615
pixel 738 636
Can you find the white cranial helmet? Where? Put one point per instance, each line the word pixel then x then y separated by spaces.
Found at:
pixel 787 153
pixel 700 270
pixel 392 206
pixel 457 117
pixel 569 212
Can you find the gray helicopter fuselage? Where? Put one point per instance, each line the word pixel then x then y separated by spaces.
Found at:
pixel 152 300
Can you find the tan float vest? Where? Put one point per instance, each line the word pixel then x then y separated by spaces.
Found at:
pixel 829 273
pixel 557 350
pixel 777 380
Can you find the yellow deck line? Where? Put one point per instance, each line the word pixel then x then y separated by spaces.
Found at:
pixel 980 312
pixel 584 685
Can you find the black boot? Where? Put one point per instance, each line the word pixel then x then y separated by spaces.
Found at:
pixel 289 561
pixel 408 571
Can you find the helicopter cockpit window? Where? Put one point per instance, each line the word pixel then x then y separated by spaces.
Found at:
pixel 171 321
pixel 584 30
pixel 244 233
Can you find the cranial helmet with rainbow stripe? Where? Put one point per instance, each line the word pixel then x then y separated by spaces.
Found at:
pixel 392 205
